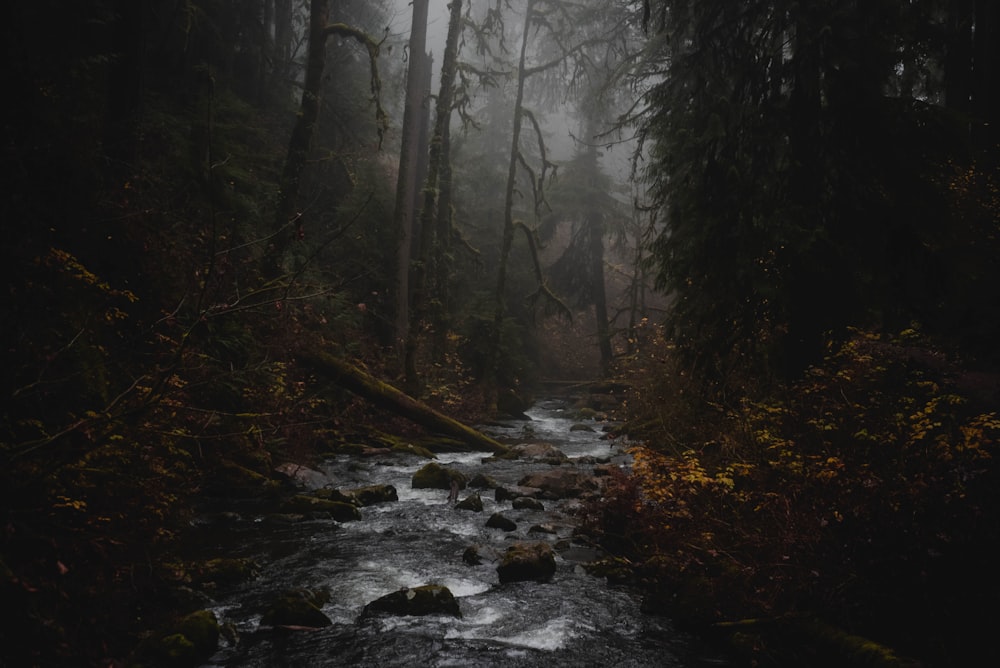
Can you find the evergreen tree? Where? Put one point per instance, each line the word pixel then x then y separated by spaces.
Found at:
pixel 804 191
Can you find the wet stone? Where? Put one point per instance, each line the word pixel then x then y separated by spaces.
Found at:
pixel 498 521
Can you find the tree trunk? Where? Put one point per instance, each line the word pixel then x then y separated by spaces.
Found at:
pixel 287 224
pixel 441 261
pixel 388 397
pixel 428 211
pixel 508 209
pixel 282 54
pixel 406 184
pixel 596 255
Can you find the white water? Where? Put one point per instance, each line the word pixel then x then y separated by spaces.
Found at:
pixel 573 620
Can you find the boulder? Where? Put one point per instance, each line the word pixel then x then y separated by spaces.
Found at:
pixel 483 481
pixel 511 403
pixel 307 504
pixel 561 483
pixel 435 476
pixel 415 601
pixel 542 452
pixel 498 521
pixel 296 609
pixel 527 503
pixel 471 556
pixel 224 572
pixel 188 642
pixel 579 426
pixel 527 561
pixel 202 629
pixel 372 494
pixel 472 502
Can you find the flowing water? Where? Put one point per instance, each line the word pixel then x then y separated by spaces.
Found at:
pixel 573 620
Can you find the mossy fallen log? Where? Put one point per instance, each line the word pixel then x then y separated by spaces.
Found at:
pixel 388 397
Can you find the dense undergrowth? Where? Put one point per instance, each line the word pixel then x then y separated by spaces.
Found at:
pixel 862 495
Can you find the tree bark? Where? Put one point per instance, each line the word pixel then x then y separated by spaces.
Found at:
pixel 406 181
pixel 428 211
pixel 390 398
pixel 508 209
pixel 298 145
pixel 600 294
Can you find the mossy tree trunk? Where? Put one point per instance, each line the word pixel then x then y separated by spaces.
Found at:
pixel 438 157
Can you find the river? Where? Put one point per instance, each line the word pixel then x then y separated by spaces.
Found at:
pixel 575 619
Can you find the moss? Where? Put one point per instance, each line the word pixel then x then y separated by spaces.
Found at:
pixel 185 643
pixel 412 449
pixel 297 608
pixel 201 628
pixel 305 504
pixel 435 476
pixel 177 650
pixel 225 572
pixel 527 561
pixel 472 502
pixel 372 494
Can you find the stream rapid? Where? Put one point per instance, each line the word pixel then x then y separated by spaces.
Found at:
pixel 574 619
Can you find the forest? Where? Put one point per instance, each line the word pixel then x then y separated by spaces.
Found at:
pixel 240 235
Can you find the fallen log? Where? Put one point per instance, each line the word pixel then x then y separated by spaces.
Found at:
pixel 386 396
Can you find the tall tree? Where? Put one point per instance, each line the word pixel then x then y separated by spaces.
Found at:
pixel 551 16
pixel 582 197
pixel 289 223
pixel 802 193
pixel 409 161
pixel 437 161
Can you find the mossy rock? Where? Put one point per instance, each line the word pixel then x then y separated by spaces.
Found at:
pixel 472 502
pixel 372 494
pixel 298 608
pixel 527 561
pixel 483 481
pixel 350 449
pixel 225 572
pixel 189 642
pixel 435 476
pixel 305 504
pixel 202 629
pixel 428 599
pixel 526 503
